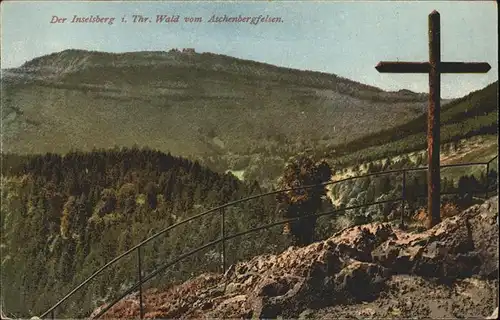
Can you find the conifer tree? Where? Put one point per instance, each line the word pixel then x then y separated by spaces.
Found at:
pixel 300 172
pixel 68 217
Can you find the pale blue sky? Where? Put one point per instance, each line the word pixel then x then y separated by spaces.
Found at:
pixel 345 38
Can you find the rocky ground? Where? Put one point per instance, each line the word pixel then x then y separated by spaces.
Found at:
pixel 415 297
pixel 369 271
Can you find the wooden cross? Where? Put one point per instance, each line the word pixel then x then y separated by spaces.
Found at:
pixel 434 67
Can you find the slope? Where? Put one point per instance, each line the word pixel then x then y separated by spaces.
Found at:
pixel 351 274
pixel 473 114
pixel 62 217
pixel 188 104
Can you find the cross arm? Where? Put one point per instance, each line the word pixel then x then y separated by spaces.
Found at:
pixel 464 67
pixel 424 67
pixel 402 67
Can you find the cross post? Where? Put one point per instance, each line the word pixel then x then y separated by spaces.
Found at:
pixel 434 67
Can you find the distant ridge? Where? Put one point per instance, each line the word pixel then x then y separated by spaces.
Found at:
pixel 70 59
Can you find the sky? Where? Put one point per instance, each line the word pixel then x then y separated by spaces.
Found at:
pixel 340 37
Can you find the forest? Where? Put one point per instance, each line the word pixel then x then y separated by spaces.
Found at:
pixel 65 216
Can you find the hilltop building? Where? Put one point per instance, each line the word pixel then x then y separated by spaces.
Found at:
pixel 184 50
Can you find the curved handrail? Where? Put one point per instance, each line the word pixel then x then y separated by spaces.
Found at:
pixel 214 242
pixel 100 270
pixel 232 203
pixel 239 234
pixel 492 159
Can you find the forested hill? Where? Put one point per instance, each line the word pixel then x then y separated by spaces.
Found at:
pixel 191 104
pixel 63 217
pixel 471 115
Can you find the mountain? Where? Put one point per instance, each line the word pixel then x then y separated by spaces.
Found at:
pixel 65 213
pixel 191 104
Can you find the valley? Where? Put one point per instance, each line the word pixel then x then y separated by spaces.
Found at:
pixel 102 150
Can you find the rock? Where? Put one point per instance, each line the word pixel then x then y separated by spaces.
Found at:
pixel 288 304
pixel 486 206
pixel 409 304
pixel 231 307
pixel 484 235
pixel 358 242
pixel 352 266
pixel 306 314
pixel 270 287
pixel 207 305
pixel 395 256
pixel 232 287
pixel 248 281
pixel 360 281
pixel 458 247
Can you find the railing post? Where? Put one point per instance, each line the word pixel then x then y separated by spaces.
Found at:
pixel 403 199
pixel 487 180
pixel 223 235
pixel 52 314
pixel 139 276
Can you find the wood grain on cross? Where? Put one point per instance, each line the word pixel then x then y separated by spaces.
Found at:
pixel 434 67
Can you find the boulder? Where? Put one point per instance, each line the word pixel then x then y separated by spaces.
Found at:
pixel 352 266
pixel 458 247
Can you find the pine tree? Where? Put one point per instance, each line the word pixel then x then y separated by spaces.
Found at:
pixel 151 190
pixel 68 218
pixel 302 171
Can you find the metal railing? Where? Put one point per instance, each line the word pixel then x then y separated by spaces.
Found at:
pixel 223 237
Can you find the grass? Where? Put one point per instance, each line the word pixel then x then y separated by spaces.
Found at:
pixel 217 109
pixel 172 101
pixel 472 115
